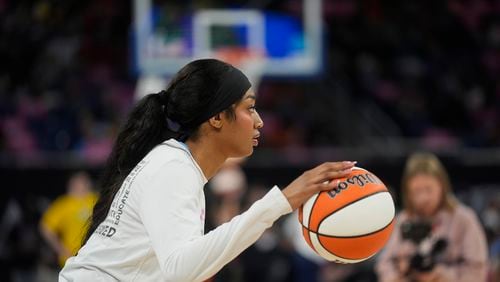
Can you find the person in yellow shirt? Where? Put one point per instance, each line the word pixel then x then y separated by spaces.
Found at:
pixel 64 223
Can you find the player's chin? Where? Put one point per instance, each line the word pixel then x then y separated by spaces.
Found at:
pixel 243 152
pixel 248 150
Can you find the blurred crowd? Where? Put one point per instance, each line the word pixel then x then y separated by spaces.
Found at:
pixel 411 70
pixel 432 67
pixel 38 232
pixel 420 70
pixel 64 80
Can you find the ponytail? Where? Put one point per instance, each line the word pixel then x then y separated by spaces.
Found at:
pixel 145 128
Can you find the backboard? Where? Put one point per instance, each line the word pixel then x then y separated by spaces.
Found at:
pixel 169 34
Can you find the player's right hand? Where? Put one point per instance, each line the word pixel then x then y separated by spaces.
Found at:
pixel 320 178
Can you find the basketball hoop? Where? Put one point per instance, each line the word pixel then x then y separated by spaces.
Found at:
pixel 250 62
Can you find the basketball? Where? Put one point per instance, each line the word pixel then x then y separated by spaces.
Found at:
pixel 352 222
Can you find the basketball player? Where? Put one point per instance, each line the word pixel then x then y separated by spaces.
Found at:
pixel 148 223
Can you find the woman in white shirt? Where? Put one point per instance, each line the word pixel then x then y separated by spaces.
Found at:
pixel 148 223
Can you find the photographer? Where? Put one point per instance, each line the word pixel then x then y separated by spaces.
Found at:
pixel 436 237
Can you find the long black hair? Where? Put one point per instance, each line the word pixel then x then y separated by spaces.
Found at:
pixel 157 117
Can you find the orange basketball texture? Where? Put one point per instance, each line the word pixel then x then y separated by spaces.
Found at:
pixel 352 222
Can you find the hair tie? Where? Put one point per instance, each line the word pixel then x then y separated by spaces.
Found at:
pixel 172 125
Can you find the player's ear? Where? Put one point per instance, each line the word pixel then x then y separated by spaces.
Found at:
pixel 216 121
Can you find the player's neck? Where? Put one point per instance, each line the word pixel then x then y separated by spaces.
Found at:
pixel 207 156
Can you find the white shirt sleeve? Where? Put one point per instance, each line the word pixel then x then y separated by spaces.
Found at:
pixel 170 211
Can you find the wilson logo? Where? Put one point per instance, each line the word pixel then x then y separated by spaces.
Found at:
pixel 359 180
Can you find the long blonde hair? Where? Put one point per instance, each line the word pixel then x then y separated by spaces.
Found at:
pixel 429 164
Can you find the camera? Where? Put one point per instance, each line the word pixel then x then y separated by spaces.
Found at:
pixel 416 231
pixel 429 249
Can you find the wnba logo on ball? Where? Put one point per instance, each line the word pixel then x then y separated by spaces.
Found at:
pixel 359 180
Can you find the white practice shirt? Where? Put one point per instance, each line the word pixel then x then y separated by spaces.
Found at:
pixel 154 230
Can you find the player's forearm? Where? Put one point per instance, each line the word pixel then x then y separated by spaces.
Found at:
pixel 201 258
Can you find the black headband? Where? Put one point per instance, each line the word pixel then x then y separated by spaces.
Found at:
pixel 233 87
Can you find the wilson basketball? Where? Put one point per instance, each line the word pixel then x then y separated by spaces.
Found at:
pixel 352 222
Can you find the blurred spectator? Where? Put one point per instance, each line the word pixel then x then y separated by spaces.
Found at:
pixel 491 220
pixel 308 266
pixel 436 237
pixel 227 188
pixel 63 223
pixel 495 260
pixel 19 240
pixel 267 260
pixel 306 263
pixel 491 215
